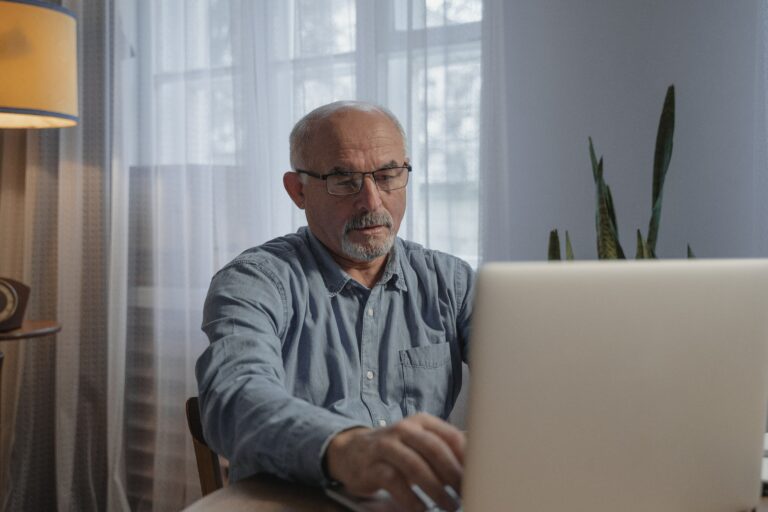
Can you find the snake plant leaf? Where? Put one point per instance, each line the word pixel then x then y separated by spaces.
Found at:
pixel 568 248
pixel 611 211
pixel 690 253
pixel 642 248
pixel 553 254
pixel 593 159
pixel 608 246
pixel 599 171
pixel 661 159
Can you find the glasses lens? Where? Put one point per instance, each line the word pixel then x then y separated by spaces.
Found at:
pixel 391 179
pixel 344 184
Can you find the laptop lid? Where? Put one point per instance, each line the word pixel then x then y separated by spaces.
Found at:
pixel 604 386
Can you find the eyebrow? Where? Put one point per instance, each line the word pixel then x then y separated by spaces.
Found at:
pixel 341 170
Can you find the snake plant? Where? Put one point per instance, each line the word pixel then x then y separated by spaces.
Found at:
pixel 608 245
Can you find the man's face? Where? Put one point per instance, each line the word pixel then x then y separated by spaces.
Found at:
pixel 359 227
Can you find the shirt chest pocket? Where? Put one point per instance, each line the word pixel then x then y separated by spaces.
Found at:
pixel 428 378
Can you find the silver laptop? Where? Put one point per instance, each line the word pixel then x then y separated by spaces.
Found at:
pixel 605 386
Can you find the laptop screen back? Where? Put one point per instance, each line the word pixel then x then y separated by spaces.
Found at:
pixel 604 386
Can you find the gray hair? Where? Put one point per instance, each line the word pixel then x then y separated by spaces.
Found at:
pixel 302 130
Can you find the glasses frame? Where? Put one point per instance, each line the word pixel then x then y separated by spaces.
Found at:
pixel 325 177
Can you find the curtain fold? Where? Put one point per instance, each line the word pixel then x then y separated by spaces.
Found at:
pixel 13 232
pixel 497 168
pixel 122 74
pixel 31 476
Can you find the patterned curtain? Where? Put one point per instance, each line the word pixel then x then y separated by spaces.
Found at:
pixel 53 236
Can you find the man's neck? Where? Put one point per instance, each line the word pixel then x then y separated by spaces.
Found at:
pixel 366 273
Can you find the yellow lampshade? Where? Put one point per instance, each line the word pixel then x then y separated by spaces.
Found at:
pixel 38 65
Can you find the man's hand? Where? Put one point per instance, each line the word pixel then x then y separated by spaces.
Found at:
pixel 420 450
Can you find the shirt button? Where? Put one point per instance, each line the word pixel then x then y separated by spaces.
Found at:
pixel 370 311
pixel 382 423
pixel 369 375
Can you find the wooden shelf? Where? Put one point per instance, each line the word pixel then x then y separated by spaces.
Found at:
pixel 31 329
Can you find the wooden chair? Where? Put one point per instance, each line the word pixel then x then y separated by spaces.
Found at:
pixel 208 466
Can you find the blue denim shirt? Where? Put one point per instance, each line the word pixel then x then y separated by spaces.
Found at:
pixel 301 351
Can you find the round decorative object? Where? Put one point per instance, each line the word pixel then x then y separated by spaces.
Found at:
pixel 13 302
pixel 9 300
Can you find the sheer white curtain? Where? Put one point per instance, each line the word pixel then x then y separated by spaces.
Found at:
pixel 556 72
pixel 208 92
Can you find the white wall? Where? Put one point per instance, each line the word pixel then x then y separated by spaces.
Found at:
pixel 558 71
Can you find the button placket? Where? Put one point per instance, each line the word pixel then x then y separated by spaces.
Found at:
pixel 369 348
pixel 369 354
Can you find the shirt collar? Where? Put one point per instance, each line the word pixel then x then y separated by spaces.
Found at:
pixel 335 278
pixel 393 271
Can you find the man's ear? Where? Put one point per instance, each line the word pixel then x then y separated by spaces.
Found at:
pixel 294 187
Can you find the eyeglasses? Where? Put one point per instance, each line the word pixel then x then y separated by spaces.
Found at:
pixel 348 183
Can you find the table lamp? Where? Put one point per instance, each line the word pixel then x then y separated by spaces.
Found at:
pixel 38 89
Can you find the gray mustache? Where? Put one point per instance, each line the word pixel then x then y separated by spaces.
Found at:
pixel 367 220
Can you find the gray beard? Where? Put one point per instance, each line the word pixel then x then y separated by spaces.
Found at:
pixel 370 249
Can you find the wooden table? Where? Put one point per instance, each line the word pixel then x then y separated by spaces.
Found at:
pixel 31 329
pixel 266 494
pixel 269 494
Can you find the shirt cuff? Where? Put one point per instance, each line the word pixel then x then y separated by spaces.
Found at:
pixel 309 442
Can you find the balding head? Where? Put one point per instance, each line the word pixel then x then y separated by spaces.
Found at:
pixel 304 130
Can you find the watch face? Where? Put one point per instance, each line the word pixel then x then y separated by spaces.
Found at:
pixel 9 300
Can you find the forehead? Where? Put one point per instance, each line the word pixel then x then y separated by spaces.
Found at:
pixel 354 140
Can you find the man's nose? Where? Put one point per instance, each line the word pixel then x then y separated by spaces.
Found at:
pixel 369 195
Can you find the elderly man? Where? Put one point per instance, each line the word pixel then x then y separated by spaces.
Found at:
pixel 336 351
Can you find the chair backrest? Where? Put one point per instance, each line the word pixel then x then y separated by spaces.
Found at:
pixel 208 467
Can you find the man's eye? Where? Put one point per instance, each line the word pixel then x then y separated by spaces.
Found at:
pixel 346 182
pixel 386 175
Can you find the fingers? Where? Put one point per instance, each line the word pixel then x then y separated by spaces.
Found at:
pixel 452 436
pixel 440 457
pixel 415 469
pixel 428 452
pixel 420 450
pixel 398 486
